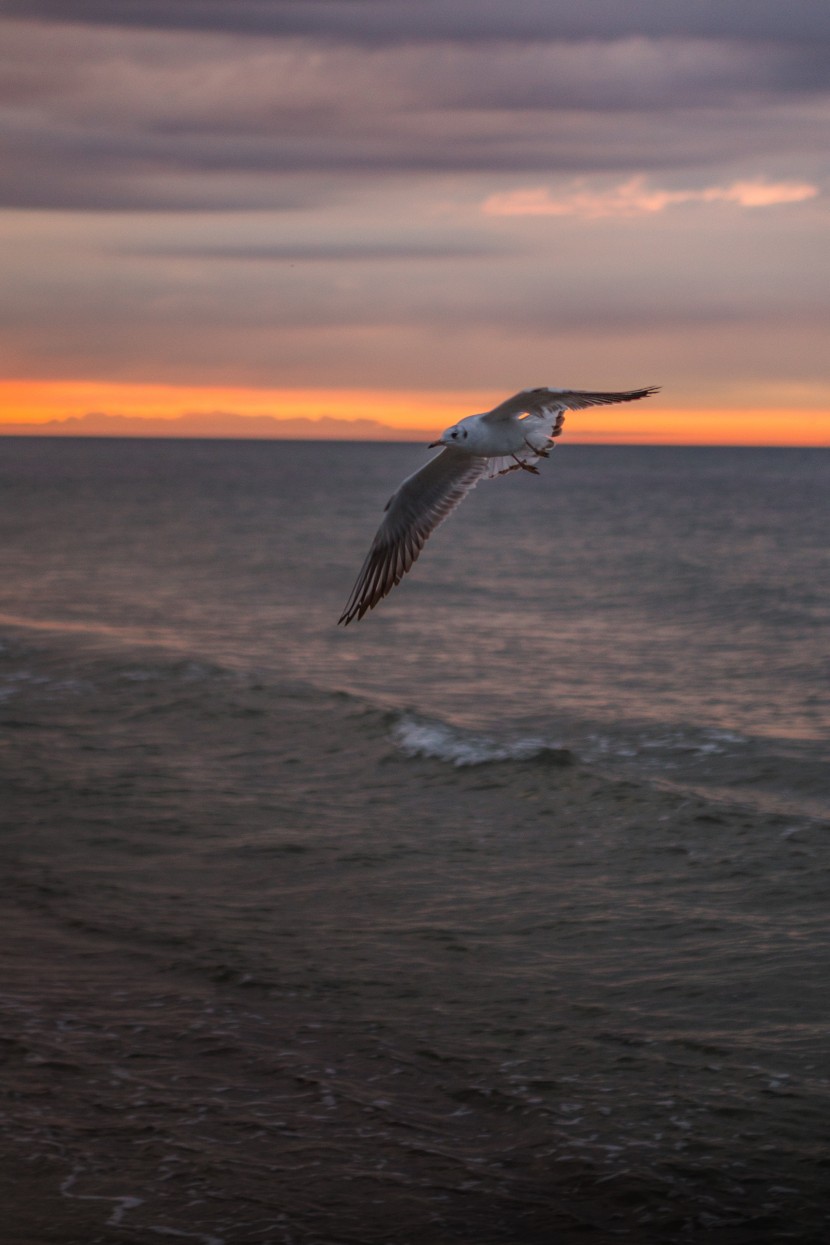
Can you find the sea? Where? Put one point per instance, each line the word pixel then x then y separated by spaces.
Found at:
pixel 500 916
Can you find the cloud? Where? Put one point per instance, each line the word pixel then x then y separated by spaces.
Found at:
pixel 217 424
pixel 635 198
pixel 278 193
pixel 379 21
pixel 345 252
pixel 105 117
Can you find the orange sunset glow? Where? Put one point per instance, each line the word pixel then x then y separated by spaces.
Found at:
pixel 74 407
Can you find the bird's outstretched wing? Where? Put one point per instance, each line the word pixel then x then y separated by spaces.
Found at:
pixel 542 401
pixel 422 502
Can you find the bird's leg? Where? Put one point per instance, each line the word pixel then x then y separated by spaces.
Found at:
pixel 534 471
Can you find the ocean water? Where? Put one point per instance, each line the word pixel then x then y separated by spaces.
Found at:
pixel 499 916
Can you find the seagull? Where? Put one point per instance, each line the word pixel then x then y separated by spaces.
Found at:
pixel 511 437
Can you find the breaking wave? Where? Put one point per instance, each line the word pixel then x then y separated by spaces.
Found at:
pixel 425 737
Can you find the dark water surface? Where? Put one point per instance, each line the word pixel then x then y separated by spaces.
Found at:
pixel 500 916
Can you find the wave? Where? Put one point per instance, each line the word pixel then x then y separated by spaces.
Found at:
pixel 89 676
pixel 428 737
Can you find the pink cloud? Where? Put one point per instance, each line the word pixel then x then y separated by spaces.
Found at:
pixel 635 197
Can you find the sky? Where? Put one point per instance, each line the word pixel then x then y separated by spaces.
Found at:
pixel 371 217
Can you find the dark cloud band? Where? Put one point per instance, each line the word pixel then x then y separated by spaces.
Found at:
pixel 376 21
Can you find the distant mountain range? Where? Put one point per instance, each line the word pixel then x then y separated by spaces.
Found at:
pixel 217 424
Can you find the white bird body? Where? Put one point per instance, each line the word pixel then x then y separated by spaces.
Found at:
pixel 515 434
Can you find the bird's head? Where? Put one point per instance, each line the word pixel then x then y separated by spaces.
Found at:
pixel 456 435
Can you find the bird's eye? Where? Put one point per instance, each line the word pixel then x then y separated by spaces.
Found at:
pixel 454 435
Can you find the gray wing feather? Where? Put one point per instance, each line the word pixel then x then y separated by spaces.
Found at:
pixel 539 401
pixel 423 501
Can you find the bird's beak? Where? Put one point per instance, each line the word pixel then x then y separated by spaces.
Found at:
pixel 433 444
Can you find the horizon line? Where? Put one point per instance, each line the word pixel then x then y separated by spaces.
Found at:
pixel 398 440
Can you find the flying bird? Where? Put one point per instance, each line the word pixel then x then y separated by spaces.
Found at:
pixel 511 437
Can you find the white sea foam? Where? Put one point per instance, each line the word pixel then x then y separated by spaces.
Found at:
pixel 660 748
pixel 22 681
pixel 123 1204
pixel 422 737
